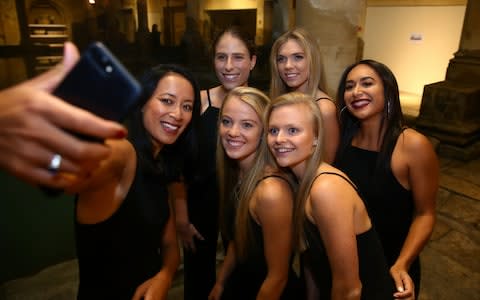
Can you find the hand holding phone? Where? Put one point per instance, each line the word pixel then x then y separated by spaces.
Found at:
pixel 100 84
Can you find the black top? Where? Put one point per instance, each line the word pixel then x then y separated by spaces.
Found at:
pixel 248 275
pixel 203 194
pixel 373 269
pixel 115 256
pixel 389 204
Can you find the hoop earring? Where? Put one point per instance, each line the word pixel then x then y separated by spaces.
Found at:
pixel 389 108
pixel 341 111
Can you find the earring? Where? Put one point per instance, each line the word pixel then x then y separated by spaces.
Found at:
pixel 341 111
pixel 315 143
pixel 388 108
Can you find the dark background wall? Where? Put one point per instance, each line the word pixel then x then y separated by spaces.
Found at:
pixel 35 231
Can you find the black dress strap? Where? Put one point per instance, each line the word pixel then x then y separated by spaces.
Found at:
pixel 276 176
pixel 339 175
pixel 208 98
pixel 321 98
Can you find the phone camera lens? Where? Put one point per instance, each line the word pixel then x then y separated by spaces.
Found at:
pixel 104 59
pixel 108 69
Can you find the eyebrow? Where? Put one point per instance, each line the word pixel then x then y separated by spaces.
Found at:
pixel 241 120
pixel 367 77
pixel 286 125
pixel 361 79
pixel 166 94
pixel 234 53
pixel 295 53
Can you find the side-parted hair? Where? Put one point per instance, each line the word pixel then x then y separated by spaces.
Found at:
pixel 392 123
pixel 310 47
pixel 314 161
pixel 228 174
pixel 172 159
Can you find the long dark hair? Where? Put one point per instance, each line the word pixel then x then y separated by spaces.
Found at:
pixel 392 123
pixel 172 159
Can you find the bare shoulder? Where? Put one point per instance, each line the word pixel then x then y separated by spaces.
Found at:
pixel 326 105
pixel 122 156
pixel 417 151
pixel 333 182
pixel 414 143
pixel 203 100
pixel 323 95
pixel 272 190
pixel 332 193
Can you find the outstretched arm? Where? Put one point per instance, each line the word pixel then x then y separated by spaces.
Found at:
pixel 33 126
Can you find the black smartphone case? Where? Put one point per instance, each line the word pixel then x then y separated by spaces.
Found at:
pixel 100 84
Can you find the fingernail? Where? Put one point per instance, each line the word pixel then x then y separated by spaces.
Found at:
pixel 121 134
pixel 400 289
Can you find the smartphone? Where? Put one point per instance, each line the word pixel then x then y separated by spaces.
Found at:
pixel 100 84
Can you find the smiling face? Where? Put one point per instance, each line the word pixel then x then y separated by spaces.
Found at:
pixel 168 112
pixel 292 65
pixel 291 136
pixel 364 93
pixel 232 61
pixel 240 131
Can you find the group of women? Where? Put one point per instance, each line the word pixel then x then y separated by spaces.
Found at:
pixel 343 183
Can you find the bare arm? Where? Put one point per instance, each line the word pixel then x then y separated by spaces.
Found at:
pixel 274 209
pixel 423 173
pixel 332 210
pixel 101 192
pixel 331 129
pixel 226 269
pixel 32 118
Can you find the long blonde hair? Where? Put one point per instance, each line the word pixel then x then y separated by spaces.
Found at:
pixel 316 78
pixel 313 162
pixel 228 173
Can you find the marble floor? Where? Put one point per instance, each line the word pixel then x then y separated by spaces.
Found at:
pixel 451 264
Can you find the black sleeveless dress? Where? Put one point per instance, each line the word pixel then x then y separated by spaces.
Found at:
pixel 248 275
pixel 203 212
pixel 389 204
pixel 117 255
pixel 374 275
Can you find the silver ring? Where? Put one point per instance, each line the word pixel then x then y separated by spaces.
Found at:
pixel 54 165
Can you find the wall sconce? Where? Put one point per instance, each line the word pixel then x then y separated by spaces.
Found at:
pixel 92 2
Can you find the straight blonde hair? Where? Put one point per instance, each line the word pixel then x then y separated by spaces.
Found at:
pixel 316 78
pixel 313 162
pixel 228 174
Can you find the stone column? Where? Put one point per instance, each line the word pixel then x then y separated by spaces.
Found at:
pixel 142 34
pixel 142 16
pixel 450 109
pixel 337 25
pixel 192 39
